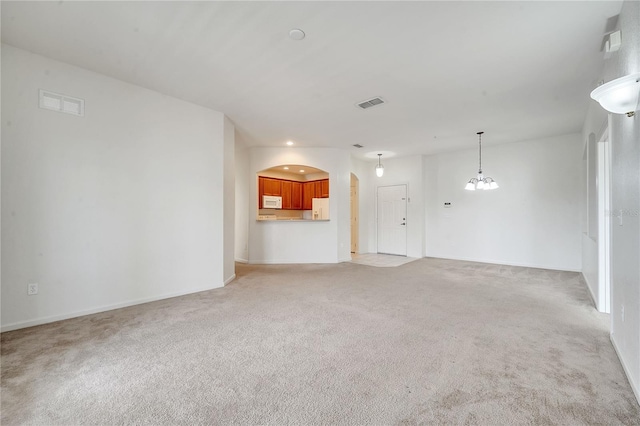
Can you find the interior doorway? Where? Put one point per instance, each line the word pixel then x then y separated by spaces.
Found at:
pixel 392 219
pixel 355 183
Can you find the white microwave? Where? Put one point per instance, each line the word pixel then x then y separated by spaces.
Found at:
pixel 271 202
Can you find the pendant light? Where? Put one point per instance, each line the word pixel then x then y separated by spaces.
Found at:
pixel 480 182
pixel 379 167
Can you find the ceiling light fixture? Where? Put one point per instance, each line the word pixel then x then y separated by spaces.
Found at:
pixel 289 143
pixel 620 96
pixel 480 182
pixel 379 167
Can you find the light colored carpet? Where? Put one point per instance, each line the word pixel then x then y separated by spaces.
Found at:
pixel 380 260
pixel 429 342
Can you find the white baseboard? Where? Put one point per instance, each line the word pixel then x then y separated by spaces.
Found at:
pixel 289 262
pixel 242 260
pixel 231 278
pixel 499 262
pixel 593 296
pixel 46 320
pixel 634 385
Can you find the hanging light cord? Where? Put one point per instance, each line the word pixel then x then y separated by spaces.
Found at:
pixel 480 152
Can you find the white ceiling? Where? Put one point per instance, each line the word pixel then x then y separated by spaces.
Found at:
pixel 517 70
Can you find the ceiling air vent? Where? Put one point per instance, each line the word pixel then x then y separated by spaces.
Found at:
pixel 370 103
pixel 357 145
pixel 61 103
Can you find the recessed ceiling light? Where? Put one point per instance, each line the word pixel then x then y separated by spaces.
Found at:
pixel 286 168
pixel 301 170
pixel 289 143
pixel 296 34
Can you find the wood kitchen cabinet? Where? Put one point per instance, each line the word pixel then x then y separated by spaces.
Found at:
pixel 260 191
pixel 308 193
pixel 317 189
pixel 321 188
pixel 324 189
pixel 286 186
pixel 296 195
pixel 272 187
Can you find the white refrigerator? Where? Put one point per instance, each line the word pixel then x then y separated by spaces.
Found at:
pixel 320 208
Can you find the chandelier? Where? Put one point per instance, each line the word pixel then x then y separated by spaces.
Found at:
pixel 480 182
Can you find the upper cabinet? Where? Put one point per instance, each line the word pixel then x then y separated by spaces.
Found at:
pixel 296 196
pixel 324 189
pixel 308 194
pixel 286 194
pixel 272 186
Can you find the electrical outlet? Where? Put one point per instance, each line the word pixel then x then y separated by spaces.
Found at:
pixel 32 289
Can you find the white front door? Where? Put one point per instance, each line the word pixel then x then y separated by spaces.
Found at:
pixel 392 219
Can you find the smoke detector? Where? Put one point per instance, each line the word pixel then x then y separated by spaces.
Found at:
pixel 296 34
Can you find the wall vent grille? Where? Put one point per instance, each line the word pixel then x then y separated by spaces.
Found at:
pixel 61 103
pixel 370 103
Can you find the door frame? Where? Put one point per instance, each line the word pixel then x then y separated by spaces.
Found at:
pixel 354 206
pixel 604 219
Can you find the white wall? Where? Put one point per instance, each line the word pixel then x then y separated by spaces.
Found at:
pixel 533 219
pixel 242 213
pixel 625 205
pixel 114 208
pixel 297 241
pixel 229 202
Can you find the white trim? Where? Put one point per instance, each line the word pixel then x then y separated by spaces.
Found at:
pixel 289 262
pixel 242 260
pixel 634 386
pixel 603 188
pixel 231 278
pixel 54 318
pixel 593 297
pixel 499 262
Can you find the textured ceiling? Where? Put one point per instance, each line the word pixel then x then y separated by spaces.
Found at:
pixel 517 70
